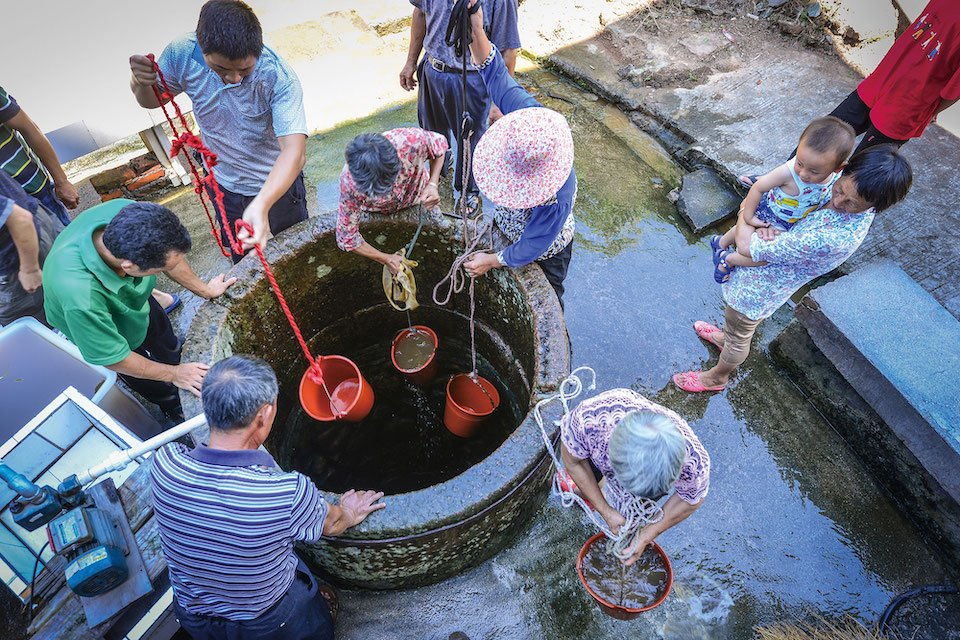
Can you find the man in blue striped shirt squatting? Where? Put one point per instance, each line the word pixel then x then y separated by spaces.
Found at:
pixel 248 104
pixel 229 517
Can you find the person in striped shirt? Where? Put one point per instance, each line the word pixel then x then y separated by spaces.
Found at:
pixel 229 517
pixel 47 183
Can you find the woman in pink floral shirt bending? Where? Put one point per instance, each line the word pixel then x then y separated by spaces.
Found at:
pixel 383 174
pixel 637 447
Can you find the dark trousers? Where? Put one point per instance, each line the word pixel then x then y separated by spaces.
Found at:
pixel 856 113
pixel 290 209
pixel 160 345
pixel 555 269
pixel 48 198
pixel 301 614
pixel 440 109
pixel 15 302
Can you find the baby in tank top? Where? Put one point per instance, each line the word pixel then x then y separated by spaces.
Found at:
pixel 784 196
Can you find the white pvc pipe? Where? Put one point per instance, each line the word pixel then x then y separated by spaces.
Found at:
pixel 120 459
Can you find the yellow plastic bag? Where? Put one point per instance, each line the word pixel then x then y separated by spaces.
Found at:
pixel 401 289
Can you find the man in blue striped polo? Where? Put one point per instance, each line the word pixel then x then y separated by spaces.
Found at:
pixel 228 519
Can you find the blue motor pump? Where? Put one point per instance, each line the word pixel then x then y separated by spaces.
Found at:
pixel 93 544
pixel 87 537
pixel 94 548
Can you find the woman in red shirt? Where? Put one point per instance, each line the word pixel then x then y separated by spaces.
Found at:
pixel 917 79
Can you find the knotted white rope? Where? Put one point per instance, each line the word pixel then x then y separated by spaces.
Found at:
pixel 638 512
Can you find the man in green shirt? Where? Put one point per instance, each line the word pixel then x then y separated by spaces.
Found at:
pixel 97 281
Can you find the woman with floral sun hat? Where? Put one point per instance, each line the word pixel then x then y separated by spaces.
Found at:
pixel 524 164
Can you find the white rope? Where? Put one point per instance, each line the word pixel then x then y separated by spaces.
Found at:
pixel 457 277
pixel 638 512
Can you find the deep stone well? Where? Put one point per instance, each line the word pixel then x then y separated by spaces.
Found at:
pixel 431 533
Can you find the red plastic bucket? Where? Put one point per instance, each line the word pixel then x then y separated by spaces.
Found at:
pixel 347 386
pixel 469 402
pixel 425 372
pixel 615 610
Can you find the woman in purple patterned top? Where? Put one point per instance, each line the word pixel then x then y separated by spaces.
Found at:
pixel 636 447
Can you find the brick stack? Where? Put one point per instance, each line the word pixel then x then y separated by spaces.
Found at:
pixel 142 178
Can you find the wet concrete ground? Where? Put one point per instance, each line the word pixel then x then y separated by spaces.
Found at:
pixel 794 526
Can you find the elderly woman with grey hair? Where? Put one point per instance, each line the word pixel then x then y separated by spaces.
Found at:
pixel 637 447
pixel 386 172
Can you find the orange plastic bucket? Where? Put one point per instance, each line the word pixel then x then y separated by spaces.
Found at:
pixel 348 388
pixel 615 610
pixel 469 402
pixel 424 373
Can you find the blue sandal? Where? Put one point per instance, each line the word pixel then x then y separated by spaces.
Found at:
pixel 722 276
pixel 716 248
pixel 173 305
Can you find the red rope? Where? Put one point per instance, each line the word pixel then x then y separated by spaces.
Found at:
pixel 186 139
pixel 314 371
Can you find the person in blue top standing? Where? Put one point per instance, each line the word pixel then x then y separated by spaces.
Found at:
pixel 249 105
pixel 440 101
pixel 524 164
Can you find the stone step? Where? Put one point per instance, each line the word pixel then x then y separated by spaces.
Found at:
pixel 900 350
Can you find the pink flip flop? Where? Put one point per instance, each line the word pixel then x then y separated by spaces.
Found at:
pixel 690 381
pixel 706 331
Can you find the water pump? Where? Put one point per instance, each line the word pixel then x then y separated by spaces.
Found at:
pixel 34 506
pixel 95 550
pixel 90 539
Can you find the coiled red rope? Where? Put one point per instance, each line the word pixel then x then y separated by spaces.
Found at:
pixel 184 139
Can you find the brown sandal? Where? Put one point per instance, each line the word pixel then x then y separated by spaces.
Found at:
pixel 333 600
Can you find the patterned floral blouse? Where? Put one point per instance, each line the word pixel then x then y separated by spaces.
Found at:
pixel 586 431
pixel 816 245
pixel 416 148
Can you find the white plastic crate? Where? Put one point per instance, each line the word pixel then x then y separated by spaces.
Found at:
pixel 37 364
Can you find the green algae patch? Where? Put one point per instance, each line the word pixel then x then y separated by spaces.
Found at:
pixel 623 174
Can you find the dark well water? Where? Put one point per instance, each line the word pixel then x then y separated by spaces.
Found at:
pixel 413 350
pixel 633 587
pixel 402 445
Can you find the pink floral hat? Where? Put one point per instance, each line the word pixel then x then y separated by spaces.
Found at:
pixel 524 158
